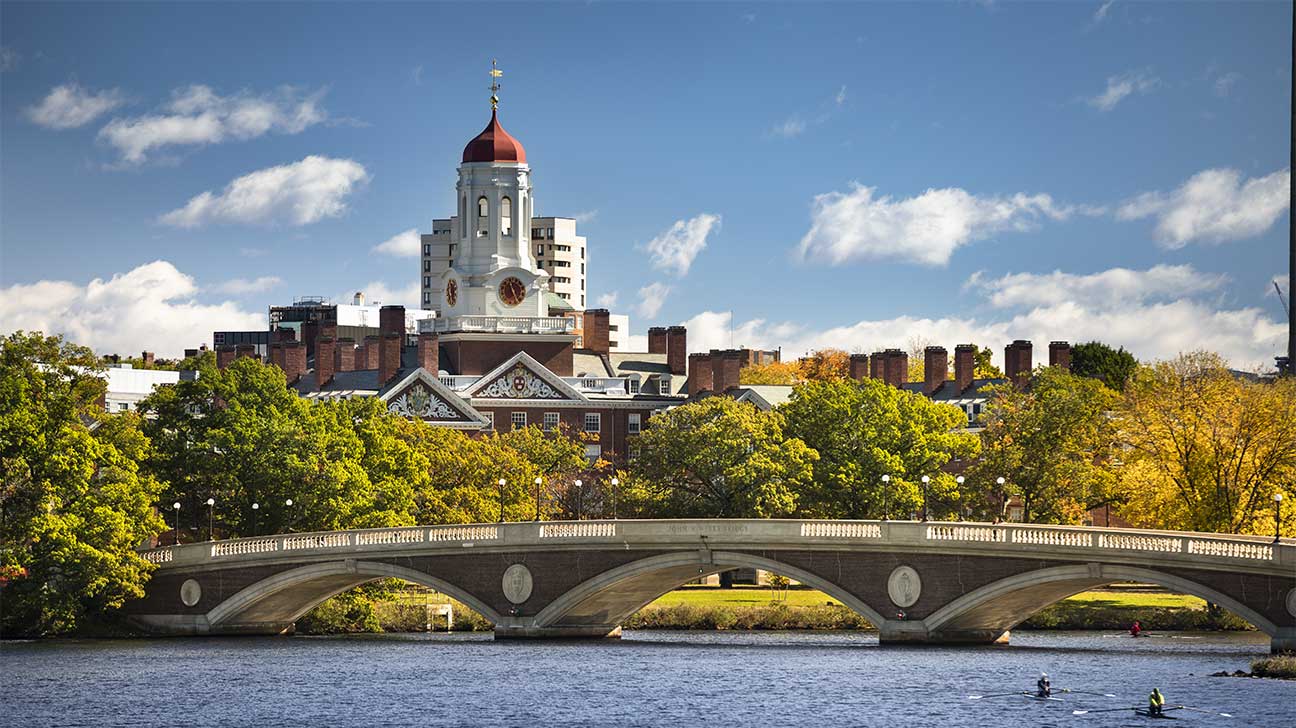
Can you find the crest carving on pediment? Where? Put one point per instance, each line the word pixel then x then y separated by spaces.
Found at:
pixel 520 383
pixel 418 400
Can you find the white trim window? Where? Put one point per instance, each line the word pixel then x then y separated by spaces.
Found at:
pixel 632 423
pixel 490 420
pixel 593 422
pixel 551 421
pixel 593 452
pixel 664 384
pixel 518 419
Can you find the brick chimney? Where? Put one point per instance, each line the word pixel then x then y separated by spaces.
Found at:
pixel 428 356
pixel 699 373
pixel 897 367
pixel 657 340
pixel 391 318
pixel 935 367
pixel 283 334
pixel 859 366
pixel 248 350
pixel 1060 355
pixel 294 360
pixel 224 355
pixel 371 347
pixel 147 358
pixel 725 365
pixel 877 366
pixel 389 356
pixel 596 334
pixel 964 366
pixel 277 353
pixel 324 362
pixel 309 333
pixel 346 354
pixel 677 349
pixel 1017 362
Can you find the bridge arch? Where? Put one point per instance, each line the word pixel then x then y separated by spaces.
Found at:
pixel 285 597
pixel 1001 605
pixel 612 596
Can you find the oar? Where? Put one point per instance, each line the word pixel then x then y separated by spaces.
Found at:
pixel 997 695
pixel 1086 692
pixel 1207 712
pixel 1104 710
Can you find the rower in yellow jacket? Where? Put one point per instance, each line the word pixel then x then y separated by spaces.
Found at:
pixel 1156 702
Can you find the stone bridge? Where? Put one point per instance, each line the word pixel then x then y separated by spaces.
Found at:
pixel 933 582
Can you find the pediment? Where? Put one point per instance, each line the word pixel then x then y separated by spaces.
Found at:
pixel 522 377
pixel 423 396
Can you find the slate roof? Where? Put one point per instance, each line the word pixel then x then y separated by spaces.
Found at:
pixel 949 391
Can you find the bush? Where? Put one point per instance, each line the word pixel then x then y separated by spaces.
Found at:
pixel 1279 666
pixel 769 617
pixel 343 614
pixel 1081 615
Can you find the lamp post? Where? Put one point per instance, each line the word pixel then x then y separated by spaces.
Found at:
pixel 886 497
pixel 288 507
pixel 959 480
pixel 501 499
pixel 925 480
pixel 580 500
pixel 538 481
pixel 1277 517
pixel 176 506
pixel 211 518
pixel 1003 500
pixel 614 489
pixel 255 507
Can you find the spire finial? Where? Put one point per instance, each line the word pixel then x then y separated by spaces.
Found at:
pixel 495 86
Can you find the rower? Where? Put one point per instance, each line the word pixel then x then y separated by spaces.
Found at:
pixel 1042 687
pixel 1136 629
pixel 1156 702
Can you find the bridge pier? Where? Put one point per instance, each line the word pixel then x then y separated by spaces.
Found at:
pixel 915 632
pixel 1283 641
pixel 530 632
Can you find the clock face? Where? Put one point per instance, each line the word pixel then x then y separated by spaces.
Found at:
pixel 511 291
pixel 452 293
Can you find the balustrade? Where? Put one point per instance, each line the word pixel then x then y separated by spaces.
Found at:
pixel 1231 549
pixel 159 556
pixel 577 530
pixel 1136 542
pixel 838 529
pixel 1052 537
pixel 952 532
pixel 316 541
pixel 463 533
pixel 244 546
pixel 389 536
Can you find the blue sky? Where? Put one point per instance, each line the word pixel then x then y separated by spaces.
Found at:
pixel 802 175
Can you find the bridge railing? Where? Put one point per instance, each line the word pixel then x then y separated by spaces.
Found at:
pixel 1008 538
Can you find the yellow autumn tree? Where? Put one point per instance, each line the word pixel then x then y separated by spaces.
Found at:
pixel 1207 450
pixel 777 372
pixel 824 365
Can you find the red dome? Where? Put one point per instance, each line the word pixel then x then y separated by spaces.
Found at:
pixel 494 145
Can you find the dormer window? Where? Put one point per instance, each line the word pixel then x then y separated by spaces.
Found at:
pixel 506 216
pixel 483 217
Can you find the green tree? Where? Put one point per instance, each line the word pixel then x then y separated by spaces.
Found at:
pixel 719 458
pixel 1207 451
pixel 985 368
pixel 864 430
pixel 73 505
pixel 1096 360
pixel 1053 445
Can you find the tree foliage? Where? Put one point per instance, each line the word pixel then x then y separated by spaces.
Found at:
pixel 1096 360
pixel 984 364
pixel 73 504
pixel 824 365
pixel 777 372
pixel 1052 443
pixel 719 458
pixel 864 430
pixel 1207 451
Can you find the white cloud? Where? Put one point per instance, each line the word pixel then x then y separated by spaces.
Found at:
pixel 794 126
pixel 70 106
pixel 607 300
pixel 243 286
pixel 197 115
pixel 299 194
pixel 1121 86
pixel 926 229
pixel 149 308
pixel 586 216
pixel 1101 13
pixel 840 98
pixel 1224 83
pixel 401 245
pixel 1213 206
pixel 674 250
pixel 651 298
pixel 380 292
pixel 1116 287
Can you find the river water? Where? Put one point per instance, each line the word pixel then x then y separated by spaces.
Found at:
pixel 766 679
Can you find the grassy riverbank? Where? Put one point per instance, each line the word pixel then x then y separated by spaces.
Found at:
pixel 1279 666
pixel 760 608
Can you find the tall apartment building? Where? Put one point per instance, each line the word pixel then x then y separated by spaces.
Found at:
pixel 553 244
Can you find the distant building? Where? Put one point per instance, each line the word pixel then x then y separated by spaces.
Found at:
pixel 126 386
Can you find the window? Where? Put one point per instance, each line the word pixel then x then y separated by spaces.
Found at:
pixel 592 452
pixel 663 384
pixel 483 216
pixel 506 216
pixel 519 420
pixel 582 269
pixel 427 249
pixel 549 233
pixel 539 250
pixel 551 421
pixel 490 420
pixel 427 297
pixel 427 266
pixel 427 281
pixel 632 423
pixel 565 296
pixel 593 422
pixel 582 302
pixel 634 386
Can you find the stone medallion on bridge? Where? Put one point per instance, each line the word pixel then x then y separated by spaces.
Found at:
pixel 904 586
pixel 1291 602
pixel 190 592
pixel 517 583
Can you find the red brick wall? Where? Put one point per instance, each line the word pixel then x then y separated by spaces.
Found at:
pixel 389 354
pixel 469 356
pixel 677 349
pixel 877 365
pixel 657 340
pixel 371 350
pixel 935 367
pixel 225 355
pixel 428 347
pixel 597 338
pixel 294 360
pixel 964 365
pixel 859 366
pixel 699 373
pixel 614 424
pixel 1060 355
pixel 324 362
pixel 346 355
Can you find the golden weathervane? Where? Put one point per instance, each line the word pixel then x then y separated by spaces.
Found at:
pixel 495 86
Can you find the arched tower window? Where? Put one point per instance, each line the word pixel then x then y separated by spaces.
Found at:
pixel 483 216
pixel 506 216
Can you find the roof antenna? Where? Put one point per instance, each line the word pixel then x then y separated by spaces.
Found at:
pixel 1282 300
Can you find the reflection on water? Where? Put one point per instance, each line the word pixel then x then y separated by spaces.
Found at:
pixel 646 679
